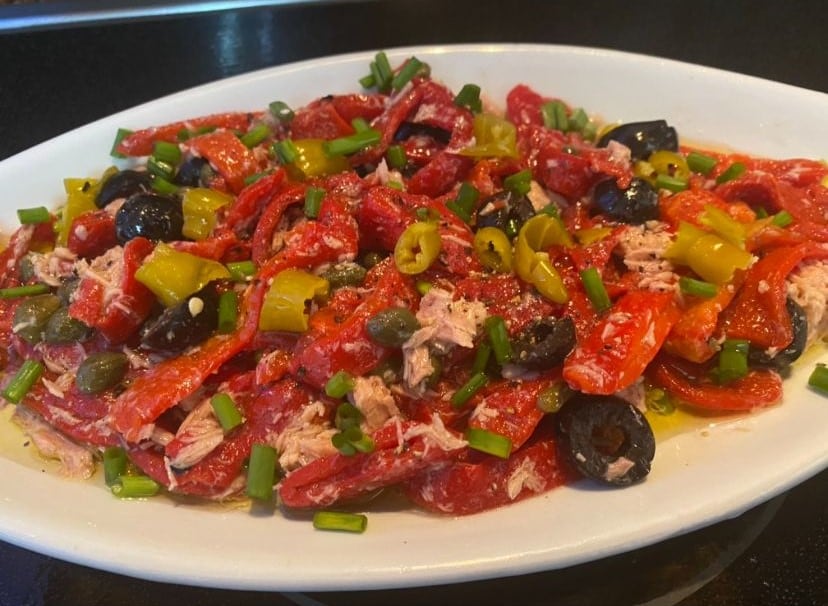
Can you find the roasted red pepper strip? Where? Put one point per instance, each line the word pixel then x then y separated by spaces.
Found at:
pixel 623 342
pixel 92 234
pixel 319 120
pixel 758 311
pixel 511 409
pixel 228 155
pixel 248 205
pixel 691 384
pixel 691 337
pixel 337 477
pixel 270 217
pixel 117 315
pixel 140 142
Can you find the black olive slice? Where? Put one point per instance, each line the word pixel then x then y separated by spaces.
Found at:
pixel 635 205
pixel 606 439
pixel 643 138
pixel 122 185
pixel 184 325
pixel 544 343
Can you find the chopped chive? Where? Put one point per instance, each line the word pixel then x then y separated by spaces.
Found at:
pixel 360 124
pixel 782 219
pixel 551 210
pixel 32 216
pixel 406 73
pixel 255 135
pixel 228 311
pixel 313 201
pixel 458 210
pixel 489 442
pixel 241 270
pixel 163 186
pixel 344 146
pixel 481 358
pixel 367 81
pixel 160 168
pixel 468 389
pixel 554 115
pixel 135 487
pixel 28 290
pixel 469 97
pixel 697 288
pixel 819 378
pixel 700 163
pixel 590 131
pixel 122 134
pixel 343 445
pixel 578 120
pixel 396 156
pixel 519 183
pixel 595 289
pixel 347 416
pixel 281 111
pixel 166 152
pixel 673 184
pixel 251 179
pixel 261 472
pixel 733 360
pixel 226 411
pixel 23 380
pixel 499 338
pixel 364 444
pixel 286 151
pixel 344 522
pixel 463 204
pixel 339 385
pixel 183 135
pixel 383 74
pixel 423 287
pixel 732 171
pixel 114 464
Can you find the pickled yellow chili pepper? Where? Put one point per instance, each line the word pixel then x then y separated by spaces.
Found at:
pixel 80 199
pixel 417 248
pixel 313 161
pixel 591 235
pixel 724 225
pixel 494 137
pixel 173 275
pixel 286 302
pixel 200 206
pixel 712 257
pixel 532 262
pixel 494 249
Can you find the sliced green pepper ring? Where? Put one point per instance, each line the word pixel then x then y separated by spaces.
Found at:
pixel 532 262
pixel 494 249
pixel 417 248
pixel 173 275
pixel 286 301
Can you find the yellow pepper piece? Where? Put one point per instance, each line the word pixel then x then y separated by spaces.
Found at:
pixel 313 161
pixel 712 257
pixel 417 248
pixel 200 206
pixel 173 275
pixel 494 249
pixel 591 235
pixel 724 225
pixel 532 262
pixel 494 137
pixel 80 199
pixel 286 301
pixel 670 164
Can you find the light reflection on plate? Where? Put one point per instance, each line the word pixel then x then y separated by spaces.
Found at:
pixel 697 479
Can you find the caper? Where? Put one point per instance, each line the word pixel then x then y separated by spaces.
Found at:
pixel 26 267
pixel 100 371
pixel 32 315
pixel 392 327
pixel 344 274
pixel 63 328
pixel 67 288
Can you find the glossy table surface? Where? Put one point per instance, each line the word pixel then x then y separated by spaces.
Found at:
pixel 55 79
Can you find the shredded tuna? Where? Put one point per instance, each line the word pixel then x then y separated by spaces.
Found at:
pixel 306 438
pixel 642 248
pixel 808 286
pixel 75 461
pixel 197 436
pixel 374 400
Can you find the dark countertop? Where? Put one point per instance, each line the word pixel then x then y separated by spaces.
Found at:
pixel 52 80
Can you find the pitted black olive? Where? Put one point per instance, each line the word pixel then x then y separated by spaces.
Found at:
pixel 191 171
pixel 149 215
pixel 544 343
pixel 122 185
pixel 643 138
pixel 606 438
pixel 637 204
pixel 505 211
pixel 187 324
pixel 784 358
pixel 412 129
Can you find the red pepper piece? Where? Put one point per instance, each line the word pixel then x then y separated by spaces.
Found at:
pixel 270 217
pixel 567 174
pixel 481 483
pixel 691 383
pixel 622 343
pixel 761 189
pixel 440 174
pixel 319 120
pixel 758 312
pixel 24 239
pixel 228 155
pixel 689 205
pixel 523 106
pixel 691 337
pixel 216 247
pixel 353 106
pixel 382 218
pixel 337 478
pixel 117 315
pixel 92 234
pixel 514 407
pixel 140 142
pixel 321 352
pixel 245 210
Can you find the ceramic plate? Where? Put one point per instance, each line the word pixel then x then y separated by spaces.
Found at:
pixel 701 474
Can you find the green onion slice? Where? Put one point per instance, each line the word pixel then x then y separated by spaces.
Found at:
pixel 554 115
pixel 339 385
pixel 33 216
pixel 114 463
pixel 499 338
pixel 732 171
pixel 286 151
pixel 733 360
pixel 261 472
pixel 595 289
pixel 226 411
pixel 700 163
pixel 166 152
pixel 469 96
pixel 697 288
pixel 28 290
pixel 23 380
pixel 241 270
pixel 255 135
pixel 135 487
pixel 673 184
pixel 406 73
pixel 313 201
pixel 281 111
pixel 467 391
pixel 489 442
pixel 396 157
pixel 344 522
pixel 782 219
pixel 519 183
pixel 819 379
pixel 351 144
